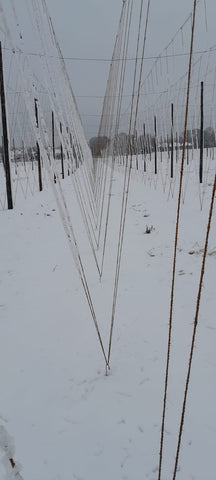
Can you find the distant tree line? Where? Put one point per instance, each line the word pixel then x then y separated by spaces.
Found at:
pixel 123 144
pixel 193 137
pixel 98 145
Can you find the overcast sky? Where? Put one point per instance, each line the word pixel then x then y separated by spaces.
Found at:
pixel 87 29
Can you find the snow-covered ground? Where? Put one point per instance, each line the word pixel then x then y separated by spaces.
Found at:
pixel 67 419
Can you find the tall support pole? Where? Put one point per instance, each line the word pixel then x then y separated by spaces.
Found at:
pixel 62 154
pixel 169 343
pixel 5 136
pixel 155 143
pixel 201 135
pixel 172 140
pixel 38 149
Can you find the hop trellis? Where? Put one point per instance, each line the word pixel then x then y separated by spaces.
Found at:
pixel 158 134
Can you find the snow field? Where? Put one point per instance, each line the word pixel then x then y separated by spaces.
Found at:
pixel 68 420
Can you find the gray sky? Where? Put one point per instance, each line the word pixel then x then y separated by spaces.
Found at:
pixel 87 29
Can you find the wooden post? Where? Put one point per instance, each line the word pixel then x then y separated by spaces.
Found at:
pixel 192 143
pixel 187 152
pixel 5 136
pixel 144 146
pixel 3 152
pixel 32 158
pixel 38 149
pixel 23 154
pixel 172 139
pixel 201 135
pixel 53 141
pixel 68 169
pixel 68 156
pixel 161 147
pixel 149 146
pixel 53 135
pixel 14 152
pixel 177 147
pixel 36 113
pixel 168 146
pixel 72 156
pixel 62 154
pixel 136 146
pixel 155 142
pixel 39 168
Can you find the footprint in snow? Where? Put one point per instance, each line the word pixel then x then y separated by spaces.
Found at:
pixel 144 380
pixel 151 253
pixel 122 421
pixel 181 272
